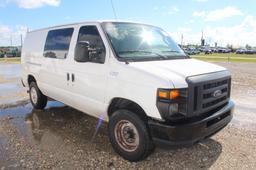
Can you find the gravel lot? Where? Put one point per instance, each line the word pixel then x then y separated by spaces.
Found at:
pixel 63 138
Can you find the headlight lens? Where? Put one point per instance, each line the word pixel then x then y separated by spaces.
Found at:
pixel 174 108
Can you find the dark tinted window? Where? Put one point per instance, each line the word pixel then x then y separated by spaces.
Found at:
pixel 57 43
pixel 96 45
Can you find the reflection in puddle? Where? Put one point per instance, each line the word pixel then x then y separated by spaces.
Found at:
pixel 18 111
pixel 54 127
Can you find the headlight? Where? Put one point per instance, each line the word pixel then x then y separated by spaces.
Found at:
pixel 172 103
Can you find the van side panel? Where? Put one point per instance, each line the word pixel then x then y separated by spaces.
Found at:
pixel 32 54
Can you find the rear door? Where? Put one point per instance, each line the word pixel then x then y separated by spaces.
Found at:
pixel 89 78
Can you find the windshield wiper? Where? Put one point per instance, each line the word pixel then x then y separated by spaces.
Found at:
pixel 143 51
pixel 170 51
pixel 175 51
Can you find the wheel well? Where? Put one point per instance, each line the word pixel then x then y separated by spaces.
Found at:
pixel 31 79
pixel 121 103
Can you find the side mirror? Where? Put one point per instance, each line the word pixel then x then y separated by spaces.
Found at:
pixel 82 51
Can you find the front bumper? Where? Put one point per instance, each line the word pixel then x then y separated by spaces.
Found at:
pixel 192 132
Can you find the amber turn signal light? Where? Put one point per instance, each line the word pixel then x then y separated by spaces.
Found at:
pixel 163 94
pixel 168 94
pixel 174 94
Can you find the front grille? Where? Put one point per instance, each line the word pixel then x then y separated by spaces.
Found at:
pixel 207 92
pixel 215 84
pixel 214 102
pixel 209 89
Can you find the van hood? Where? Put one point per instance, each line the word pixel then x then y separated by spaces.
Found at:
pixel 177 70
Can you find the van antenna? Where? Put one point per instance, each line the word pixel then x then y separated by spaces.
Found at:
pixel 113 8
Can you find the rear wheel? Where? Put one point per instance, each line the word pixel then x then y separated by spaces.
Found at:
pixel 37 98
pixel 129 135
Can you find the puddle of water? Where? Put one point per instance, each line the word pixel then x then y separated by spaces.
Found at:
pixel 10 70
pixel 8 88
pixel 50 129
pixel 22 111
pixel 11 89
pixel 28 121
pixel 51 104
pixel 16 111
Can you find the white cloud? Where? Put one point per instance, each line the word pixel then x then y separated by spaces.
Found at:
pixel 241 34
pixel 29 4
pixel 218 14
pixel 199 14
pixel 8 35
pixel 237 35
pixel 188 36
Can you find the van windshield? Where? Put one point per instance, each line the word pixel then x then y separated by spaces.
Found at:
pixel 138 42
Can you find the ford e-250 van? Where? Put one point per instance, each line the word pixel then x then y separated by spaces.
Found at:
pixel 132 75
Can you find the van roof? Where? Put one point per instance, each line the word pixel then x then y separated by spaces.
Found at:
pixel 84 22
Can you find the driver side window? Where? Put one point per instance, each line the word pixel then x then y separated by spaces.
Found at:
pixel 96 49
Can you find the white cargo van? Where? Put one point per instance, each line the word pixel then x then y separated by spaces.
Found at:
pixel 132 75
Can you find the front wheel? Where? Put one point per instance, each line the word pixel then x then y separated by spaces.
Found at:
pixel 37 98
pixel 129 135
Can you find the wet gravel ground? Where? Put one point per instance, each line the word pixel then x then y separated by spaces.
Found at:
pixel 60 137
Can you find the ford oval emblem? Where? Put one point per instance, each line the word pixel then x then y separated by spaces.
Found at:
pixel 217 93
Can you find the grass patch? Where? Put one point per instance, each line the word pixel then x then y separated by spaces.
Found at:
pixel 233 59
pixel 10 60
pixel 231 55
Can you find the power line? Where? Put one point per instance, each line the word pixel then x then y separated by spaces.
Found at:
pixel 113 8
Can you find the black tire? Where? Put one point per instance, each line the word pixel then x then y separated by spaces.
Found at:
pixel 41 100
pixel 145 145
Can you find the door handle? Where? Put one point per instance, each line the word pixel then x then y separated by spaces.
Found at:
pixel 68 77
pixel 73 77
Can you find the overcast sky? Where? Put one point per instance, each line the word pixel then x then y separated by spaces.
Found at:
pixel 226 21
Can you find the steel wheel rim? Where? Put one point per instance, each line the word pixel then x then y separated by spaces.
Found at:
pixel 126 135
pixel 33 95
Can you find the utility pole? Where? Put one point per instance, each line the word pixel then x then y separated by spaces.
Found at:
pixel 11 40
pixel 202 39
pixel 181 43
pixel 21 40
